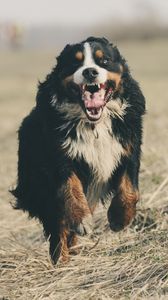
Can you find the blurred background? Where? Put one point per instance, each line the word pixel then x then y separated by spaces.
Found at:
pixel 32 33
pixel 45 24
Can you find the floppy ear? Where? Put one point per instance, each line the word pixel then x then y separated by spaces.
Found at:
pixel 117 55
pixel 119 58
pixel 66 50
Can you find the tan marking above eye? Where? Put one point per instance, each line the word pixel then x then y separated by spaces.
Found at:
pixel 99 53
pixel 79 55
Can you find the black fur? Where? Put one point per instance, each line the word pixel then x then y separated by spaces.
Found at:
pixel 44 167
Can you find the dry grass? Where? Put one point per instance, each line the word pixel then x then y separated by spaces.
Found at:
pixel 130 265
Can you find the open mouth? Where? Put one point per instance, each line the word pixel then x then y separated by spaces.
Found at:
pixel 95 97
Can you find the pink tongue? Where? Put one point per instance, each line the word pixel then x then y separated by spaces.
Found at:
pixel 93 100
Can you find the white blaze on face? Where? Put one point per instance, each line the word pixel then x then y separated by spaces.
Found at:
pixel 89 63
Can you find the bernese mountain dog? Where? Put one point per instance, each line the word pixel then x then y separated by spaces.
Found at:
pixel 81 144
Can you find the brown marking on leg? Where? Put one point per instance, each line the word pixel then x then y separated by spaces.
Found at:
pixel 76 209
pixel 76 204
pixel 68 239
pixel 61 247
pixel 64 245
pixel 129 197
pixel 58 242
pixel 123 206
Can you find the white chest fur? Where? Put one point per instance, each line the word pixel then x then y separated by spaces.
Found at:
pixel 100 149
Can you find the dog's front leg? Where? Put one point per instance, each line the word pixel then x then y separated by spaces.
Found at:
pixel 76 206
pixel 70 216
pixel 123 206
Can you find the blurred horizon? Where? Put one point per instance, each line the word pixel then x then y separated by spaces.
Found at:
pixel 49 24
pixel 87 13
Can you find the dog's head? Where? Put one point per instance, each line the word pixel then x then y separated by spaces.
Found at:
pixel 89 74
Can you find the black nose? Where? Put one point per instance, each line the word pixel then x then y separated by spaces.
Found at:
pixel 90 74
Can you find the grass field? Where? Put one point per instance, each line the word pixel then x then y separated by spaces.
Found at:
pixel 132 264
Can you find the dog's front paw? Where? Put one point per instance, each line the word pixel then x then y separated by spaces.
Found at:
pixel 86 226
pixel 120 214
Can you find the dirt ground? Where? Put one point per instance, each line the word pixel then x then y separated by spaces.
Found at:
pixel 132 264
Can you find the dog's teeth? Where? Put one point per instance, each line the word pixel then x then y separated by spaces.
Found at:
pixel 93 84
pixel 99 86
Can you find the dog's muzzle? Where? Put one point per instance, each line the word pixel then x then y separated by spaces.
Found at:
pixel 95 96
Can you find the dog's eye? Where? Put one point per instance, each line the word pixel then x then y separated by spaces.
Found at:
pixel 105 61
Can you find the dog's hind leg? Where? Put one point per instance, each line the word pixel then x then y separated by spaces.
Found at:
pixel 57 232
